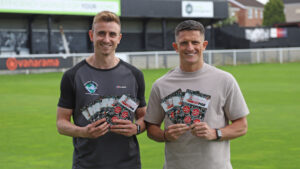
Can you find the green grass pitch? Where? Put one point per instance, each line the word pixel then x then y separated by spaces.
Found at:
pixel 29 139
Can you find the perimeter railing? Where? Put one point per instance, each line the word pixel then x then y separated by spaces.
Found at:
pixel 170 59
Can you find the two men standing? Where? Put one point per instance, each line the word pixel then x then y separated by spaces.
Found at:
pixel 100 145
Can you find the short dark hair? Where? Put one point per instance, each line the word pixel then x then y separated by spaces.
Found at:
pixel 189 25
pixel 106 16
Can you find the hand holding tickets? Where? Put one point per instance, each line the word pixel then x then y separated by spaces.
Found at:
pixel 110 108
pixel 186 107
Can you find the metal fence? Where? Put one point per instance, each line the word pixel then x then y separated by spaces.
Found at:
pixel 170 59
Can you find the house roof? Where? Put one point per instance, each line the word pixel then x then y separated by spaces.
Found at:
pixel 247 3
pixel 290 1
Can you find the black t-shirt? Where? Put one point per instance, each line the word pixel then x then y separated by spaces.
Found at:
pixel 83 84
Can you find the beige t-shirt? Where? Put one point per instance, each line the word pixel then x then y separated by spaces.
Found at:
pixel 227 103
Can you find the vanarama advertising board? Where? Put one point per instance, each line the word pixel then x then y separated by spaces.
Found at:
pixel 60 7
pixel 20 63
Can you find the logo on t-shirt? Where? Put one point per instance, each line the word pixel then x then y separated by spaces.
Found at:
pixel 91 87
pixel 121 87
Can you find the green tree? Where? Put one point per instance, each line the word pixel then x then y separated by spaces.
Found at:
pixel 273 13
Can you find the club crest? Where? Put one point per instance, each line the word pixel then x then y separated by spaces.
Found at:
pixel 91 87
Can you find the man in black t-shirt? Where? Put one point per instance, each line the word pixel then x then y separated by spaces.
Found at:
pixel 99 145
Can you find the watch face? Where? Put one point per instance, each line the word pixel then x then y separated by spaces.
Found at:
pixel 138 128
pixel 219 133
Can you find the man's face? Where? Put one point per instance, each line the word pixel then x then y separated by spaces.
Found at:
pixel 190 46
pixel 106 37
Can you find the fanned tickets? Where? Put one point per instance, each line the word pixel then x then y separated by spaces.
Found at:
pixel 186 107
pixel 111 107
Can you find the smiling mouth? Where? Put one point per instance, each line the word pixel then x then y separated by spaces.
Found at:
pixel 191 54
pixel 106 45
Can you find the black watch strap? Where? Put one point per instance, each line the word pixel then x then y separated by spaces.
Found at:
pixel 138 128
pixel 219 134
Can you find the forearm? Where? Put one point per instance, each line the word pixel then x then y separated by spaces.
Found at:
pixel 142 124
pixel 154 132
pixel 140 113
pixel 67 128
pixel 236 129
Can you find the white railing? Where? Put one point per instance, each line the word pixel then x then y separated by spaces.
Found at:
pixel 169 59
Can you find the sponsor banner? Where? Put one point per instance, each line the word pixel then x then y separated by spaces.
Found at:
pixel 278 33
pixel 257 34
pixel 35 63
pixel 203 9
pixel 264 34
pixel 60 7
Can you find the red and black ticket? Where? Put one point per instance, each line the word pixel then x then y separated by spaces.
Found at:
pixel 111 107
pixel 186 107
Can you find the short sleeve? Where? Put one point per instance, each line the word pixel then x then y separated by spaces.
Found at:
pixel 140 83
pixel 235 105
pixel 141 90
pixel 154 113
pixel 67 95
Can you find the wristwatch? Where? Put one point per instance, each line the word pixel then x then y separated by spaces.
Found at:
pixel 138 128
pixel 219 134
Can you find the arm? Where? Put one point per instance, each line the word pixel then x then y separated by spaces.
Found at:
pixel 236 129
pixel 139 116
pixel 171 134
pixel 65 127
pixel 155 133
pixel 126 127
pixel 235 106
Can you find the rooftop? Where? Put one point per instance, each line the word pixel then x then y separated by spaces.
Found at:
pixel 246 3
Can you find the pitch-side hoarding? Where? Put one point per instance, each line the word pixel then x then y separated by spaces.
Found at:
pixel 35 63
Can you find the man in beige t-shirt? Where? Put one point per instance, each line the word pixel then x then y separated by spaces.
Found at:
pixel 202 145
